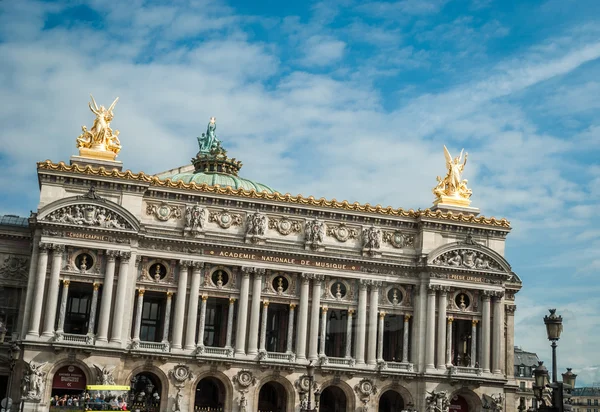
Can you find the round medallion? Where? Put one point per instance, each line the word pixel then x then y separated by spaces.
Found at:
pixel 280 284
pixel 163 211
pixel 71 369
pixel 84 261
pixel 338 290
pixel 225 219
pixel 395 296
pixel 462 301
pixel 220 278
pixel 286 225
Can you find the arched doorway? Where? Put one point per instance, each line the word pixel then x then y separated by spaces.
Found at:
pixel 145 392
pixel 332 399
pixel 391 401
pixel 210 395
pixel 459 404
pixel 68 383
pixel 272 398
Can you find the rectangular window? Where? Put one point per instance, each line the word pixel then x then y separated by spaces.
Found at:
pixel 595 402
pixel 78 309
pixel 522 384
pixel 151 322
pixel 215 324
pixel 9 308
pixel 521 370
pixel 589 402
pixel 277 327
pixel 393 338
pixel 337 330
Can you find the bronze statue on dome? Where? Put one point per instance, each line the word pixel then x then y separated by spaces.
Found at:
pixel 208 143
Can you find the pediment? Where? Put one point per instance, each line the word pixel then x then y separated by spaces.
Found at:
pixel 91 211
pixel 468 256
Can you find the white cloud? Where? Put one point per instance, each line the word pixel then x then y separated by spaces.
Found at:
pixel 322 51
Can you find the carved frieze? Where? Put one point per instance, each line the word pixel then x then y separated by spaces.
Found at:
pixel 285 226
pixel 104 374
pixel 225 219
pixel 398 239
pixel 467 258
pixel 314 234
pixel 163 211
pixel 89 215
pixel 14 267
pixel 342 232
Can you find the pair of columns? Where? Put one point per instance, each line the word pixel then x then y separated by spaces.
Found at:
pixel 53 289
pixel 444 331
pixel 405 335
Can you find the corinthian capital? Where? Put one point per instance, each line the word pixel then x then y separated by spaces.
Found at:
pixel 112 255
pixel 44 247
pixel 198 265
pixel 125 256
pixel 510 309
pixel 58 249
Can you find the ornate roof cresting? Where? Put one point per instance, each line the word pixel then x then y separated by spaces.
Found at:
pixel 452 189
pixel 100 142
pixel 276 197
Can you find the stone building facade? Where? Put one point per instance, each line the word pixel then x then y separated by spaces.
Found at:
pixel 525 364
pixel 214 295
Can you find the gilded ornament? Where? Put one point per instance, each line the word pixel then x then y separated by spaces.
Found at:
pixel 100 142
pixel 163 211
pixel 452 189
pixel 225 219
pixel 342 232
pixel 285 226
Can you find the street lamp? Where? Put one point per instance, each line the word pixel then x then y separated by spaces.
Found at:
pixel 553 329
pixel 14 353
pixel 540 374
pixel 569 378
pixel 310 372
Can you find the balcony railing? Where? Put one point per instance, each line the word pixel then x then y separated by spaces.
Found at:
pixel 465 370
pixel 73 338
pixel 400 366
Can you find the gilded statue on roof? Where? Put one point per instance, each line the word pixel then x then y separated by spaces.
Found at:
pixel 208 143
pixel 100 141
pixel 452 189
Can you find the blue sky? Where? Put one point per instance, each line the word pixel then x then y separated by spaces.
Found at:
pixel 341 99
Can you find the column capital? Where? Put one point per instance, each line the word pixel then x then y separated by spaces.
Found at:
pixel 431 289
pixel 231 301
pixel 204 298
pixel 450 320
pixel 169 294
pixel 265 303
pixel 292 306
pixel 96 286
pixel 510 309
pixel 186 263
pixel 44 247
pixel 487 294
pixel 499 294
pixel 57 249
pixel 474 322
pixel 382 314
pixel 324 309
pixel 363 284
pixel 351 312
pixel 66 282
pixel 247 270
pixel 112 255
pixel 407 317
pixel 125 256
pixel 197 265
pixel 141 292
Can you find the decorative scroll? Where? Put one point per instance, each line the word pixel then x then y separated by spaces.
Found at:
pixel 163 211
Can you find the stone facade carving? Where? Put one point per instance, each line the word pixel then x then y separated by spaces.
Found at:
pixel 314 234
pixel 437 401
pixel 180 374
pixel 256 227
pixel 163 211
pixel 364 389
pixel 225 219
pixel 89 215
pixel 372 237
pixel 342 232
pixel 494 402
pixel 244 379
pixel 398 239
pixel 285 226
pixel 104 374
pixel 467 258
pixel 195 220
pixel 178 400
pixel 14 267
pixel 34 381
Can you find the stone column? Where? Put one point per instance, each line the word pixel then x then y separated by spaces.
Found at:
pixel 349 333
pixel 179 318
pixel 510 339
pixel 107 292
pixel 263 327
pixel 473 343
pixel 405 339
pixel 430 339
pixel 53 286
pixel 167 324
pixel 230 325
pixel 323 331
pixel 498 333
pixel 441 323
pixel 93 309
pixel 190 332
pixel 380 336
pixel 138 316
pixel 361 332
pixel 373 312
pixel 253 331
pixel 60 330
pixel 301 331
pixel 290 331
pixel 242 319
pixel 485 331
pixel 202 322
pixel 314 319
pixel 120 298
pixel 449 342
pixel 40 283
pixel 420 328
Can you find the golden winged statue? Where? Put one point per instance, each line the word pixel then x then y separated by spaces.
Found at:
pixel 100 141
pixel 452 189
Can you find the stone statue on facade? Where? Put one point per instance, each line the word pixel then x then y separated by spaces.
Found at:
pixel 195 219
pixel 437 401
pixel 494 402
pixel 372 237
pixel 243 402
pixel 314 233
pixel 178 404
pixel 100 138
pixel 104 374
pixel 208 144
pixel 256 226
pixel 453 188
pixel 34 381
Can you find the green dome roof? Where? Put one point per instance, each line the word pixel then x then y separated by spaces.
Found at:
pixel 221 179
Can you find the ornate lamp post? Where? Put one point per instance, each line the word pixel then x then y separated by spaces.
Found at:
pixel 553 329
pixel 310 371
pixel 540 374
pixel 14 353
pixel 569 378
